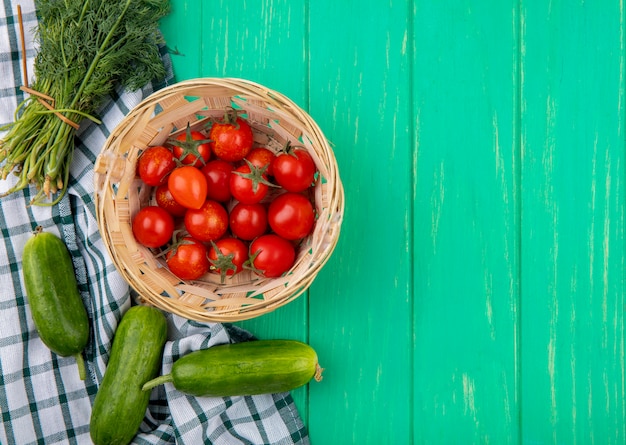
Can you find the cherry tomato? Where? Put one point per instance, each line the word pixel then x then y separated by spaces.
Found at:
pixel 217 174
pixel 207 223
pixel 188 186
pixel 247 221
pixel 227 256
pixel 192 148
pixel 291 216
pixel 232 139
pixel 248 184
pixel 188 260
pixel 153 226
pixel 271 256
pixel 165 200
pixel 294 170
pixel 262 157
pixel 154 164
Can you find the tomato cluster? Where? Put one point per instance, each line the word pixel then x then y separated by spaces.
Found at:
pixel 222 204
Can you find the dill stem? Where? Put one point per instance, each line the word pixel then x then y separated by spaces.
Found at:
pixel 74 111
pixel 83 11
pixel 36 163
pixel 93 65
pixel 60 142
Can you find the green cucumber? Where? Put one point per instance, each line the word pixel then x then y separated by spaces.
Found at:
pixel 240 369
pixel 55 303
pixel 120 404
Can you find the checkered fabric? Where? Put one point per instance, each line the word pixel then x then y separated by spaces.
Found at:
pixel 42 400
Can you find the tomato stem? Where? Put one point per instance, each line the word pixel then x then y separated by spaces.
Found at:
pixel 230 117
pixel 256 175
pixel 178 239
pixel 223 263
pixel 249 263
pixel 190 145
pixel 289 148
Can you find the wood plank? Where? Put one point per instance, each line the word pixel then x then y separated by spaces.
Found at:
pixel 259 41
pixel 182 33
pixel 573 232
pixel 360 304
pixel 466 222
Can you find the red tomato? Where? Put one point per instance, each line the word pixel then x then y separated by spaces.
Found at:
pixel 207 223
pixel 295 170
pixel 248 185
pixel 291 216
pixel 153 226
pixel 247 221
pixel 188 186
pixel 227 256
pixel 192 148
pixel 165 200
pixel 231 140
pixel 271 256
pixel 188 260
pixel 217 174
pixel 262 157
pixel 154 164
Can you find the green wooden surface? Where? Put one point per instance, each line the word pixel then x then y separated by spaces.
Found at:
pixel 477 292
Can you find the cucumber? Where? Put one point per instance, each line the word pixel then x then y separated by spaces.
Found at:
pixel 55 303
pixel 240 369
pixel 120 404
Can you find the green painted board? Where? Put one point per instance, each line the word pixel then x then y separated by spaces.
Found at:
pixel 466 223
pixel 360 306
pixel 572 280
pixel 476 295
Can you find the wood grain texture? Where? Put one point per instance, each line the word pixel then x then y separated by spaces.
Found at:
pixel 182 30
pixel 477 291
pixel 572 213
pixel 466 223
pixel 360 305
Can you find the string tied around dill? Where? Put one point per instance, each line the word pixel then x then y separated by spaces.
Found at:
pixel 48 102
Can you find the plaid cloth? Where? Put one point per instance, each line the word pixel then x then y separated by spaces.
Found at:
pixel 41 397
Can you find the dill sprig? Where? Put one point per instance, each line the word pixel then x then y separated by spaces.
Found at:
pixel 86 49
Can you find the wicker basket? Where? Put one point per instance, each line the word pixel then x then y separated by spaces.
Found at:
pixel 120 194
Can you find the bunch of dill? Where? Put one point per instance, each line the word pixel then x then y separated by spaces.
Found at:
pixel 86 48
